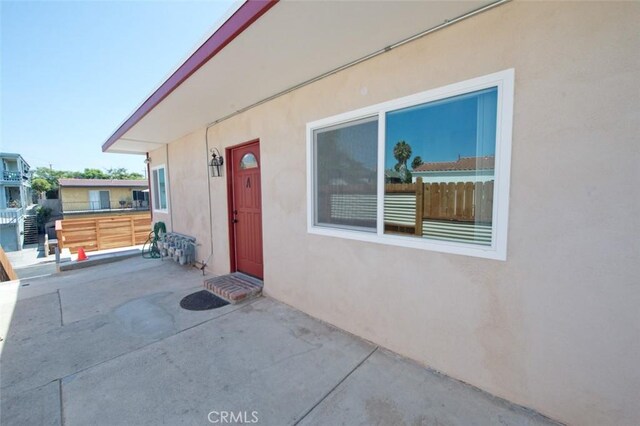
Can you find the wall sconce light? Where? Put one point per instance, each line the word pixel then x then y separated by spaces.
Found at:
pixel 147 160
pixel 216 163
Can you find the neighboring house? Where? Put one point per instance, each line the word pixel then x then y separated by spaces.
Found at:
pixel 17 223
pixel 393 176
pixel 464 169
pixel 544 312
pixel 102 196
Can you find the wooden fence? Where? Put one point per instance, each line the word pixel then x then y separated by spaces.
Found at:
pixel 469 202
pixel 105 232
pixel 457 211
pixel 6 270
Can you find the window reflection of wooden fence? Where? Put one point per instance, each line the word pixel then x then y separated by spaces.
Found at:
pixel 467 202
pixel 460 211
pixel 99 233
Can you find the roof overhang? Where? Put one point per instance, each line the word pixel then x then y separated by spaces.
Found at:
pixel 267 48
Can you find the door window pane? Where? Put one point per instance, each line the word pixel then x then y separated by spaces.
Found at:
pixel 248 161
pixel 345 175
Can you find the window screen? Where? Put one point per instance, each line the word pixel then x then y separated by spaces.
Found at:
pixel 345 175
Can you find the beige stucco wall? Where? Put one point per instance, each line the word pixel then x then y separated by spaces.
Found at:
pixel 189 196
pixel 557 326
pixel 188 193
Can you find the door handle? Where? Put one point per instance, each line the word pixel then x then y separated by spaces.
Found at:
pixel 234 221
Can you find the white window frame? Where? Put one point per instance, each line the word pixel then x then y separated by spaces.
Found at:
pixel 504 82
pixel 155 183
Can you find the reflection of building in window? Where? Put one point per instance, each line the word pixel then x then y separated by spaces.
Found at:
pixel 465 169
pixel 392 176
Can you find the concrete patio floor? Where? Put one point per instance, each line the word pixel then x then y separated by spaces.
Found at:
pixel 109 345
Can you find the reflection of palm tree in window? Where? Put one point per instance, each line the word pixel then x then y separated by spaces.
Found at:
pixel 416 162
pixel 402 153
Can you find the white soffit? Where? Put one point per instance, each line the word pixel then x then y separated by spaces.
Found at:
pixel 295 41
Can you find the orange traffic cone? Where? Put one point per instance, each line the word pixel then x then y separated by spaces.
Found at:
pixel 81 254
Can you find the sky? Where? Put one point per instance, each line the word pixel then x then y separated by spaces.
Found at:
pixel 72 72
pixel 443 130
pixel 438 131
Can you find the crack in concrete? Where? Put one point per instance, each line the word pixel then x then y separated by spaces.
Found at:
pixel 60 304
pixel 61 402
pixel 325 396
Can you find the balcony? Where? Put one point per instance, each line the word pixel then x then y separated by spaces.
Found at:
pixel 85 207
pixel 11 176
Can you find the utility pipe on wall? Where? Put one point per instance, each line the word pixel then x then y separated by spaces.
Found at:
pixel 148 162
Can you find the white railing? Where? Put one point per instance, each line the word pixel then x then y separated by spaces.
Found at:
pixel 103 206
pixel 9 216
pixel 12 176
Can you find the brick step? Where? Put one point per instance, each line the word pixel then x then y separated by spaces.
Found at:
pixel 234 287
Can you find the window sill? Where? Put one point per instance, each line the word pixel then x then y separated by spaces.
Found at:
pixel 486 252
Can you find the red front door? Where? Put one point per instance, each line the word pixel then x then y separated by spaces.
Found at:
pixel 246 209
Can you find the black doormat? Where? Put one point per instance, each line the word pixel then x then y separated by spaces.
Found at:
pixel 201 301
